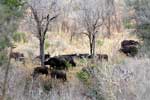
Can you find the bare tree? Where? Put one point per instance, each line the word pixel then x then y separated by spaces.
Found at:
pixel 91 18
pixel 110 12
pixel 113 16
pixel 43 13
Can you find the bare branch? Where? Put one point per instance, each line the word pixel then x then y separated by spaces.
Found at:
pixel 48 21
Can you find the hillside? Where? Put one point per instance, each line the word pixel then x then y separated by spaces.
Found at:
pixel 74 50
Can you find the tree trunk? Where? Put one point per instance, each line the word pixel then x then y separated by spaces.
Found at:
pixel 42 52
pixel 6 76
pixel 109 26
pixel 91 49
pixel 90 42
pixel 93 46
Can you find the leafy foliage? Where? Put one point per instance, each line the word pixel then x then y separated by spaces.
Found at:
pixel 47 86
pixel 83 76
pixel 13 3
pixel 68 64
pixel 128 24
pixel 11 11
pixel 3 57
pixel 100 42
pixel 3 42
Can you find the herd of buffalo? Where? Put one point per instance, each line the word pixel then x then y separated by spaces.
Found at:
pixel 58 65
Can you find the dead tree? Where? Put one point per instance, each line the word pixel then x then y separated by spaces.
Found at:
pixel 6 75
pixel 91 18
pixel 110 12
pixel 43 12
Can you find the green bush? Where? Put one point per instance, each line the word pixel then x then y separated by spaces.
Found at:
pixel 83 76
pixel 82 61
pixel 3 57
pixel 47 86
pixel 4 42
pixel 100 42
pixel 68 64
pixel 127 24
pixel 96 93
pixel 13 3
pixel 143 34
pixel 19 37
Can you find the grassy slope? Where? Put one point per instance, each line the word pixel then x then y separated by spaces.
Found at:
pixel 60 44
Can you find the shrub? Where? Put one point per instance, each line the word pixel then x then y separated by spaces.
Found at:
pixel 129 80
pixel 100 42
pixel 47 86
pixel 3 53
pixel 68 65
pixel 128 24
pixel 4 42
pixel 19 37
pixel 3 57
pixel 84 76
pixel 82 61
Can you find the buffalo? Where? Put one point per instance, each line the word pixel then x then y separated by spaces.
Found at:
pixel 127 43
pixel 129 47
pixel 129 51
pixel 56 63
pixel 59 74
pixel 60 62
pixel 68 58
pixel 69 55
pixel 40 70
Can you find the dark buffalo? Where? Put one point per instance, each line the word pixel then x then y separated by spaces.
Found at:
pixel 68 58
pixel 46 56
pixel 59 74
pixel 60 62
pixel 70 55
pixel 129 51
pixel 127 43
pixel 129 47
pixel 17 56
pixel 56 63
pixel 40 70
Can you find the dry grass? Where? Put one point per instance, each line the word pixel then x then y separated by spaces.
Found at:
pixel 60 44
pixel 22 87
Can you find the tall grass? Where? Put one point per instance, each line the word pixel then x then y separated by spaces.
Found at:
pixel 21 86
pixel 129 80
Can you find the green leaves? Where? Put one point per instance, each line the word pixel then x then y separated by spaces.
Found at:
pixel 84 76
pixel 10 12
pixel 12 3
pixel 3 42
